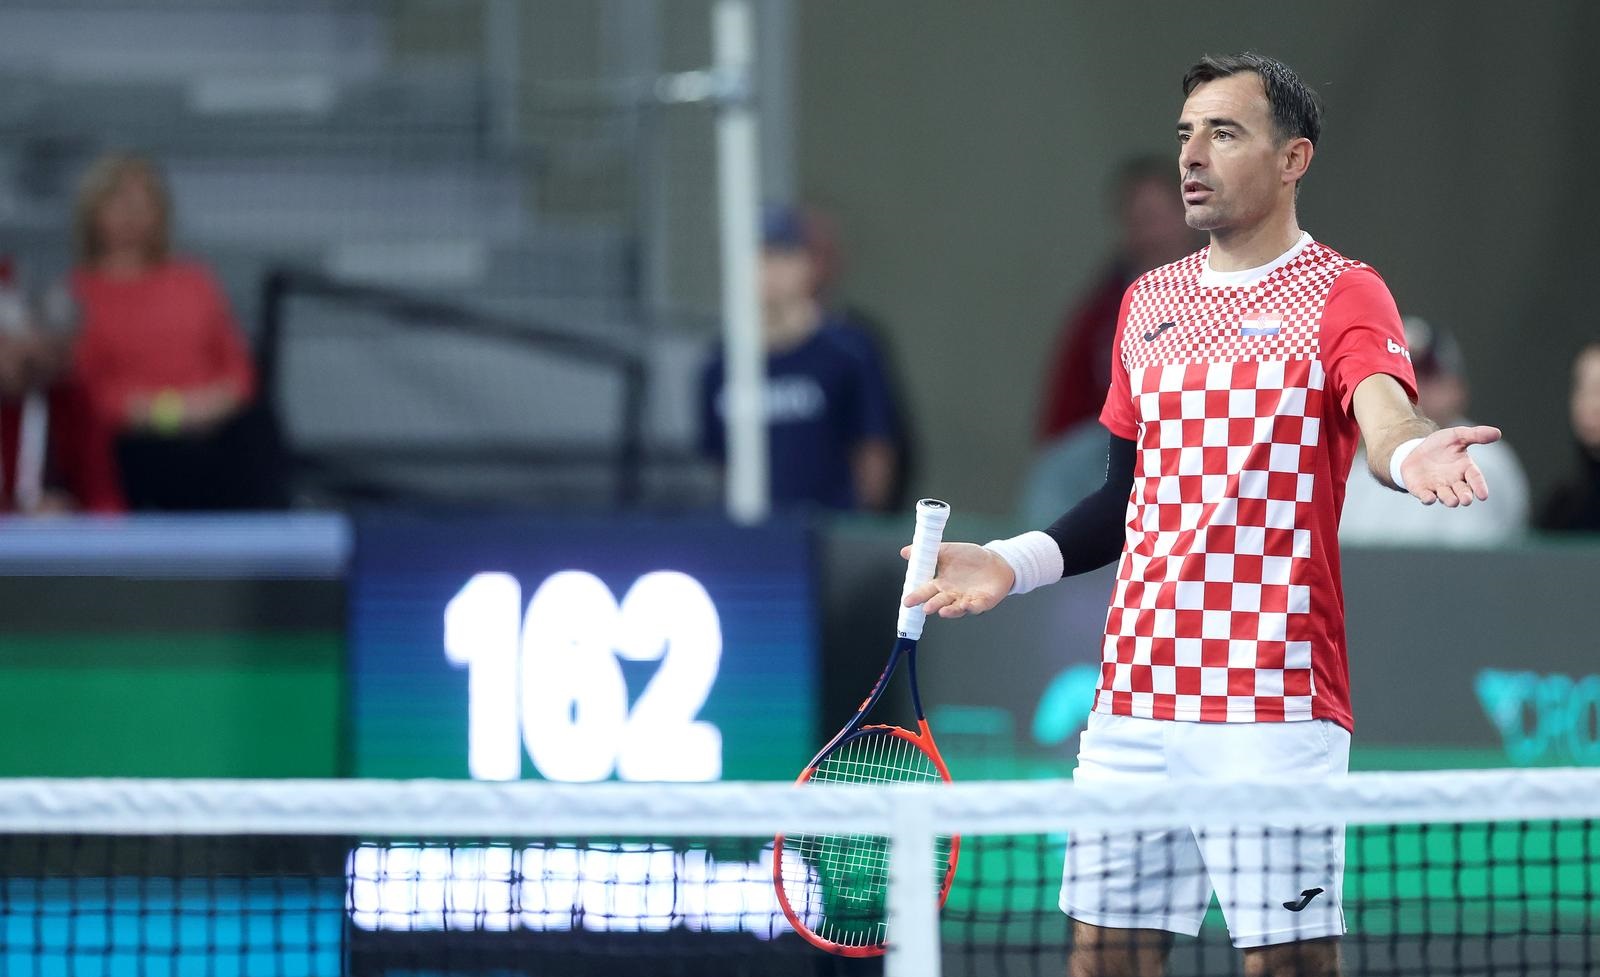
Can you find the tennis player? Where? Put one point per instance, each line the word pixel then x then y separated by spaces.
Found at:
pixel 1241 377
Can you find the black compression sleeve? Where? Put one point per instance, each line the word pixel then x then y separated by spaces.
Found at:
pixel 1091 534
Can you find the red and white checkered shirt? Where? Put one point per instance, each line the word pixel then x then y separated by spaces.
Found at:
pixel 1228 605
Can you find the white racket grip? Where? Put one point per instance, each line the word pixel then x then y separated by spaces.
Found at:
pixel 931 517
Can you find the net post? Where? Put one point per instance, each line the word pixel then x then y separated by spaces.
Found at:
pixel 913 897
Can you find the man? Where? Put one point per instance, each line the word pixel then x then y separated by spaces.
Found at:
pixel 1375 516
pixel 830 412
pixel 1240 379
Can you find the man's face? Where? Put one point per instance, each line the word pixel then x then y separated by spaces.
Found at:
pixel 1586 400
pixel 1230 156
pixel 786 275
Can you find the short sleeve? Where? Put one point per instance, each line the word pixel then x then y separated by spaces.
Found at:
pixel 711 424
pixel 1118 414
pixel 1361 335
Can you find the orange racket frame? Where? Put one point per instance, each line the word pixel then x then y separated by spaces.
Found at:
pixel 923 559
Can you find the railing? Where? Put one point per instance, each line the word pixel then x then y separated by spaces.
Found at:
pixel 417 313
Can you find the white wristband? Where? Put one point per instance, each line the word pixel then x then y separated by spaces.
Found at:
pixel 1398 458
pixel 1034 558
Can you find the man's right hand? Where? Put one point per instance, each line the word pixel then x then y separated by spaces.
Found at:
pixel 968 580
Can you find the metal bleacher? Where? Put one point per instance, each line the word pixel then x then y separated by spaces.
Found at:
pixel 304 137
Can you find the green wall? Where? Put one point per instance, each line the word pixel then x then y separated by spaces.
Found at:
pixel 214 705
pixel 170 678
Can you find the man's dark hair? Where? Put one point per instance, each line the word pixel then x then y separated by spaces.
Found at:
pixel 1296 110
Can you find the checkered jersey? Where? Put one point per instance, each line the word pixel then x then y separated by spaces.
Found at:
pixel 1227 605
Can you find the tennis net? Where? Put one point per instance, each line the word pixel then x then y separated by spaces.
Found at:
pixel 1460 873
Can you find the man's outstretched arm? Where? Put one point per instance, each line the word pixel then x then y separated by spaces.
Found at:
pixel 1409 453
pixel 971 579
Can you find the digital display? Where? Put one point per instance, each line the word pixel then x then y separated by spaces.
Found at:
pixel 600 887
pixel 504 647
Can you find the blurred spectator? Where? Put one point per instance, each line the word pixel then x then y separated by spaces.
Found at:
pixel 820 232
pixel 830 414
pixel 1375 515
pixel 162 363
pixel 1151 233
pixel 1062 474
pixel 34 345
pixel 1070 461
pixel 1575 504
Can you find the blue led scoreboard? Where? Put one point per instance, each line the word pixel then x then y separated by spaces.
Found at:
pixel 580 649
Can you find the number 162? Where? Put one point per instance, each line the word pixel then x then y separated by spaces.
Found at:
pixel 551 679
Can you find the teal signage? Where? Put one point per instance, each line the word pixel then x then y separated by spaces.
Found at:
pixel 1543 719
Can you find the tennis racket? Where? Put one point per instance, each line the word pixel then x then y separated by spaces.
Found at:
pixel 833 888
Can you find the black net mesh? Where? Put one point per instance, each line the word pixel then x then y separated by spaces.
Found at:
pixel 231 906
pixel 1488 898
pixel 1444 898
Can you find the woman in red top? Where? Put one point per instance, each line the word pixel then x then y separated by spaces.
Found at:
pixel 160 360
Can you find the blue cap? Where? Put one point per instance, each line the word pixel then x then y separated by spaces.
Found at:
pixel 783 227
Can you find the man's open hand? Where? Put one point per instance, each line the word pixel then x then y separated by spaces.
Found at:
pixel 1440 470
pixel 968 580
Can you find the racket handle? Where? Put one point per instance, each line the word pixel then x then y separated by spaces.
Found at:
pixel 931 517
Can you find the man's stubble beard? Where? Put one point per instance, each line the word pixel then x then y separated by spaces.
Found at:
pixel 1210 220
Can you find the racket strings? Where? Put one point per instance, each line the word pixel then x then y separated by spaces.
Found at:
pixel 837 884
pixel 877 758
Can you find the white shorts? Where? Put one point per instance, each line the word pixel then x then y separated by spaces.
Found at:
pixel 1275 885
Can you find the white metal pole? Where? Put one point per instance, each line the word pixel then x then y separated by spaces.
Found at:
pixel 739 189
pixel 913 897
pixel 502 45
